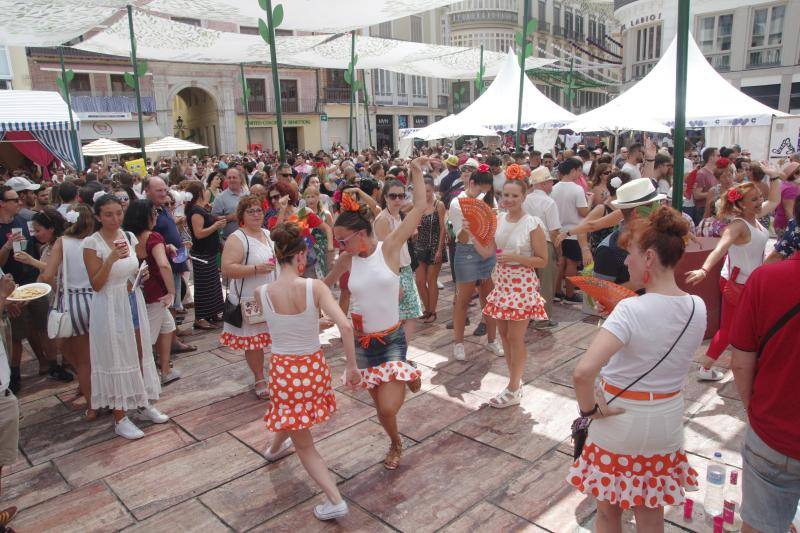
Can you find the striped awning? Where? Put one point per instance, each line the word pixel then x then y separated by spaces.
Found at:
pixel 34 111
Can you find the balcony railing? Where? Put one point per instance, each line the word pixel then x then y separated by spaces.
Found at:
pixel 765 57
pixel 543 27
pixel 483 15
pixel 337 95
pixel 721 62
pixel 288 105
pixel 420 99
pixel 402 99
pixel 87 103
pixel 443 100
pixel 640 70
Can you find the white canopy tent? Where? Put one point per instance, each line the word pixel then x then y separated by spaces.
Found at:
pixel 711 103
pixel 103 147
pixel 449 127
pixel 162 39
pixel 172 144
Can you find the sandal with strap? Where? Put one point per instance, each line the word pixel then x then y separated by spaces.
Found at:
pixel 392 460
pixel 430 319
pixel 262 393
pixel 506 398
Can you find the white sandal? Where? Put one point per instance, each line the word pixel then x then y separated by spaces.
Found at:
pixel 261 393
pixel 506 398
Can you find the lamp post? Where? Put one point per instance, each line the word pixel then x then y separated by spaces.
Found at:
pixel 680 103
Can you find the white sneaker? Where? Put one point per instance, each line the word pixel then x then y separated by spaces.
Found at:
pixel 439 285
pixel 152 414
pixel 127 429
pixel 506 398
pixel 709 374
pixel 496 348
pixel 283 451
pixel 170 376
pixel 458 352
pixel 328 511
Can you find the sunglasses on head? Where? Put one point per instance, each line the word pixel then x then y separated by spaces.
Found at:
pixel 343 242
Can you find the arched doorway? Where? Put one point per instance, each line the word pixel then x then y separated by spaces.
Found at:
pixel 195 117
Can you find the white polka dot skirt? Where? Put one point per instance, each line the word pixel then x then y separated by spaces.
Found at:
pixel 300 392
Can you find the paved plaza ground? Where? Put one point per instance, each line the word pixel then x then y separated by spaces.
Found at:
pixel 466 467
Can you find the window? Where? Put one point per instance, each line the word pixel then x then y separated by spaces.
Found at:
pixel 416 29
pixel 568 23
pixel 766 36
pixel 601 33
pixel 5 69
pixel 118 85
pixel 401 84
pixel 648 50
pixel 81 84
pixel 579 26
pixel 593 30
pixel 248 30
pixel 385 30
pixel 794 99
pixel 383 83
pixel 542 13
pixel 556 19
pixel 419 87
pixel 714 37
pixel 258 89
pixel 289 96
pixel 186 20
pixel 768 95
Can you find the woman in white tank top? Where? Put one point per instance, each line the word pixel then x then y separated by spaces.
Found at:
pixel 743 246
pixel 374 283
pixel 301 394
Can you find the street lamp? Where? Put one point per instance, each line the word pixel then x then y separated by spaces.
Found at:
pixel 179 127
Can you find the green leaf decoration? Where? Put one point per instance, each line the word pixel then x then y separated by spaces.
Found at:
pixel 130 81
pixel 262 4
pixel 348 77
pixel 263 30
pixel 61 87
pixel 359 85
pixel 518 38
pixel 243 101
pixel 528 49
pixel 532 25
pixel 247 92
pixel 70 75
pixel 141 68
pixel 355 60
pixel 277 15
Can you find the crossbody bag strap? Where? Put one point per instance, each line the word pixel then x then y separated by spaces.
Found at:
pixel 246 257
pixel 64 294
pixel 637 380
pixel 782 321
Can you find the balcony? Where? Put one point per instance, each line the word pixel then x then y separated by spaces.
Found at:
pixel 720 62
pixel 483 16
pixel 402 99
pixel 543 27
pixel 336 95
pixel 443 101
pixel 765 57
pixel 86 102
pixel 640 70
pixel 288 105
pixel 420 100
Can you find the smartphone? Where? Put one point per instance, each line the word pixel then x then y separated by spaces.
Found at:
pixel 18 245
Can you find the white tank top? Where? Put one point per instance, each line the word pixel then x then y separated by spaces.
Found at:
pixel 293 334
pixel 405 255
pixel 376 293
pixel 747 257
pixel 72 253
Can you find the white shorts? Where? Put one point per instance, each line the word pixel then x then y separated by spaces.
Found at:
pixel 160 319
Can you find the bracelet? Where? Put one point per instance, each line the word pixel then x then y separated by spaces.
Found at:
pixel 591 412
pixel 704 270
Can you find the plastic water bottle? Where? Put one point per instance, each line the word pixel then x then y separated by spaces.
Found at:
pixel 733 501
pixel 715 487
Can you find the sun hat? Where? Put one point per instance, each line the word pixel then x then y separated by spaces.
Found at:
pixel 20 184
pixel 452 161
pixel 635 193
pixel 540 175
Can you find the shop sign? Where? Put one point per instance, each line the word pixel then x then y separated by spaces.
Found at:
pixel 420 122
pixel 383 120
pixel 261 123
pixel 323 117
pixel 103 128
pixel 638 21
pixel 402 121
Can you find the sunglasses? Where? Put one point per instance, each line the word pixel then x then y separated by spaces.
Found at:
pixel 254 211
pixel 343 242
pixel 396 196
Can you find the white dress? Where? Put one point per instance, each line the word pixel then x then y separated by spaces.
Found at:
pixel 118 382
pixel 249 336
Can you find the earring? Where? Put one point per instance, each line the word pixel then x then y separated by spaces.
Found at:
pixel 646 277
pixel 363 248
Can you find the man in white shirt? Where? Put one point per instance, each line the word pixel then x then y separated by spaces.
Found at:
pixel 9 407
pixel 572 207
pixel 539 204
pixel 635 157
pixel 498 174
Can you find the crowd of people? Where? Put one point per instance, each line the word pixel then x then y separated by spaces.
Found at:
pixel 257 247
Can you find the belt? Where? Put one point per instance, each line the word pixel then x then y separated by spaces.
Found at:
pixel 641 396
pixel 365 338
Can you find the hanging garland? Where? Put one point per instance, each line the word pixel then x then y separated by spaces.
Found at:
pixel 603 48
pixel 593 56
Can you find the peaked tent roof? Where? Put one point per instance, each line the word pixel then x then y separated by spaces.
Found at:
pixel 450 126
pixel 103 146
pixel 34 111
pixel 496 108
pixel 710 99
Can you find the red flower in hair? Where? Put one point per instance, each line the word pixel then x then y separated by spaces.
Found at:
pixel 515 172
pixel 483 167
pixel 734 195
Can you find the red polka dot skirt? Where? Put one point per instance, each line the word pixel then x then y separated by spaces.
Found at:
pixel 515 295
pixel 632 480
pixel 260 341
pixel 386 372
pixel 300 392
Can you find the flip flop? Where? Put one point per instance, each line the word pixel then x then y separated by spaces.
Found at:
pixel 186 348
pixel 206 326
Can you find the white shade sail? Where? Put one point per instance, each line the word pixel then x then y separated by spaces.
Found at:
pixel 163 39
pixel 172 144
pixel 104 146
pixel 54 22
pixel 449 127
pixel 710 100
pixel 496 108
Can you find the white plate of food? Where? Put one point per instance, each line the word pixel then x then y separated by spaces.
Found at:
pixel 31 291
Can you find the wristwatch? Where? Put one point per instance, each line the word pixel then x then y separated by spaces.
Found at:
pixel 589 413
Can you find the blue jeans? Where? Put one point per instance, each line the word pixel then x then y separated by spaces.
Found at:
pixel 469 265
pixel 392 347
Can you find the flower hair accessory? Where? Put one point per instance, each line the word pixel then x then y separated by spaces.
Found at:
pixel 72 216
pixel 483 167
pixel 734 195
pixel 515 172
pixel 349 203
pixel 98 195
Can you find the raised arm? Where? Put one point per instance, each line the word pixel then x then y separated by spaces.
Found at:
pixel 595 222
pixel 774 198
pixel 732 232
pixel 409 224
pixel 99 269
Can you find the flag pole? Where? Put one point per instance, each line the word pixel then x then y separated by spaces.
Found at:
pixel 135 65
pixel 76 151
pixel 680 103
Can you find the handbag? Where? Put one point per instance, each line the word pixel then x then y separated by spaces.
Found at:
pixel 580 426
pixel 251 311
pixel 232 313
pixel 59 323
pixel 732 292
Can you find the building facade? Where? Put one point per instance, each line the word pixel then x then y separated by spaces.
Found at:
pixel 755 45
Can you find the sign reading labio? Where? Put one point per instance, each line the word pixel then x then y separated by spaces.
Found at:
pixel 260 123
pixel 638 21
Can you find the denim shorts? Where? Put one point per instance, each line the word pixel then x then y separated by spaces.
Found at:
pixel 134 309
pixel 392 348
pixel 469 265
pixel 770 486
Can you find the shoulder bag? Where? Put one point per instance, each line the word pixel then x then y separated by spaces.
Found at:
pixel 232 313
pixel 580 426
pixel 786 317
pixel 59 323
pixel 251 311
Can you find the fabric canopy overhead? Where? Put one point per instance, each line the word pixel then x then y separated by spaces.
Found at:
pixel 172 144
pixel 449 127
pixel 104 146
pixel 710 100
pixel 496 108
pixel 54 22
pixel 162 39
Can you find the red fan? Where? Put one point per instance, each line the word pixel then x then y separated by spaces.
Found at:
pixel 604 292
pixel 482 220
